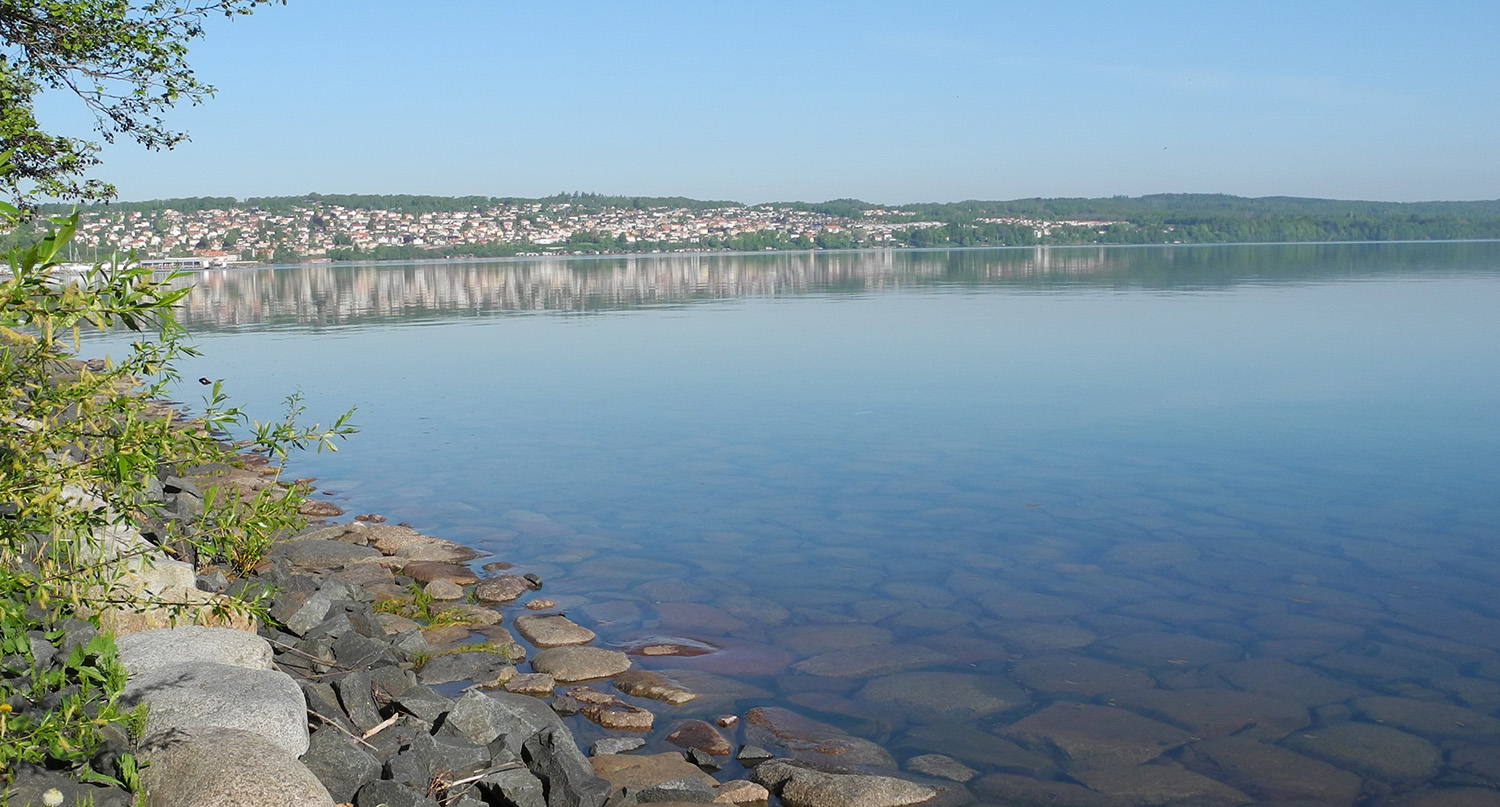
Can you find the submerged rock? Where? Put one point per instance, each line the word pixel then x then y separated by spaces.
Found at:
pixel 1218 712
pixel 804 787
pixel 940 766
pixel 942 696
pixel 638 772
pixel 700 735
pixel 1428 718
pixel 805 738
pixel 656 686
pixel 1008 788
pixel 861 662
pixel 1378 752
pixel 1271 773
pixel 609 711
pixel 1160 785
pixel 1092 736
pixel 1071 672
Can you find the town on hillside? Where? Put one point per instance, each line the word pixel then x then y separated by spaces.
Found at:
pixel 318 230
pixel 224 231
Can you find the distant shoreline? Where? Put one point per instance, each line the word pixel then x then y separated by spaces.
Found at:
pixel 531 258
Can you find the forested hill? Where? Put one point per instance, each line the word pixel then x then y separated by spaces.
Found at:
pixel 403 203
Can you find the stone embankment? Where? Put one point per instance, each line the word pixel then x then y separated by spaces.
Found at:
pixel 385 676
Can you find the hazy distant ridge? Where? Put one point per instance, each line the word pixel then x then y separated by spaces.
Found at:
pixel 1126 207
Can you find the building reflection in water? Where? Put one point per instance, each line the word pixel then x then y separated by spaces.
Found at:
pixel 336 294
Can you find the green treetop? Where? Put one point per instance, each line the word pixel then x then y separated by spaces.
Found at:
pixel 126 60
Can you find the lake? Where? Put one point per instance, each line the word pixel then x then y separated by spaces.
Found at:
pixel 1212 521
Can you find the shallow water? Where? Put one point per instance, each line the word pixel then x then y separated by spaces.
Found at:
pixel 932 498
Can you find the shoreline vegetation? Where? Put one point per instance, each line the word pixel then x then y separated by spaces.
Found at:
pixel 341 227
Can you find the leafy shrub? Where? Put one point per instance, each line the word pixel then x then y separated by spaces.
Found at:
pixel 81 445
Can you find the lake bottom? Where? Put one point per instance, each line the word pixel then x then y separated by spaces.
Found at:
pixel 1162 636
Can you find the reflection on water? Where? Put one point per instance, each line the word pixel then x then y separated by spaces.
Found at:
pixel 348 294
pixel 1121 543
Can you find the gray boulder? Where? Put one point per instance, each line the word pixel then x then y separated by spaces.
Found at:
pixel 481 717
pixel 341 765
pixel 146 651
pixel 570 781
pixel 355 696
pixel 319 554
pixel 471 666
pixel 224 767
pixel 202 694
pixel 515 786
pixel 615 745
pixel 384 793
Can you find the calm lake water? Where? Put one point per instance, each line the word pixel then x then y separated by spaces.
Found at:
pixel 1218 522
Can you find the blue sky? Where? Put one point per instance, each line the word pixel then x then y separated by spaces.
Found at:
pixel 883 101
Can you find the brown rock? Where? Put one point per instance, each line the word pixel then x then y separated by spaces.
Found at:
pixel 505 588
pixel 447 634
pixel 552 630
pixel 318 508
pixel 740 791
pixel 569 664
pixel 640 771
pixel 647 684
pixel 811 788
pixel 700 735
pixel 425 571
pixel 444 591
pixel 472 614
pixel 540 605
pixel 538 684
pixel 618 715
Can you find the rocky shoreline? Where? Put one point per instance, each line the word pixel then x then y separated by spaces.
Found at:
pixel 388 675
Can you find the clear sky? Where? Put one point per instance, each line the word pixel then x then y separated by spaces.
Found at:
pixel 884 101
